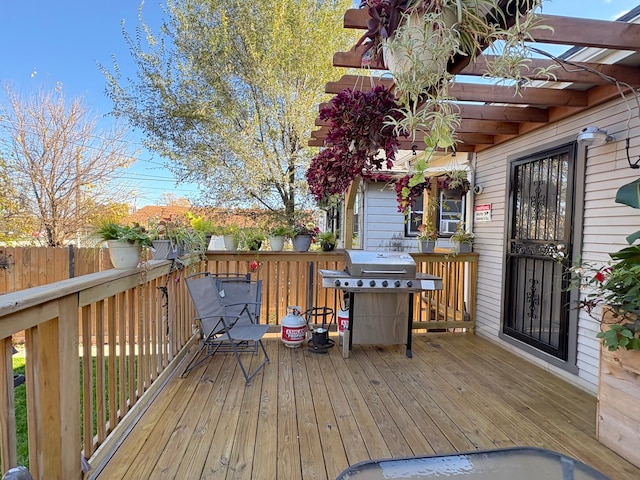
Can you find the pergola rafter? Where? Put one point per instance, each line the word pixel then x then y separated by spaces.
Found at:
pixel 492 114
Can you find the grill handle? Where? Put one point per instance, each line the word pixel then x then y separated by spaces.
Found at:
pixel 385 272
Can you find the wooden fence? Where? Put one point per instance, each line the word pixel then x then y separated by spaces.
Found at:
pixel 27 267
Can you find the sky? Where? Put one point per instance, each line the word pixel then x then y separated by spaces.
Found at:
pixel 44 42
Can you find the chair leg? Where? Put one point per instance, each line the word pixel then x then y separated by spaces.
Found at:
pixel 210 351
pixel 249 376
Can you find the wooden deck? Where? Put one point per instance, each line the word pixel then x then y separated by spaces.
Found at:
pixel 309 416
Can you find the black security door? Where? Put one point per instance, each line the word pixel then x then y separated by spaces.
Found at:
pixel 537 301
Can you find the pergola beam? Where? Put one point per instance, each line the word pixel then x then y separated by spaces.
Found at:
pixel 572 72
pixel 492 114
pixel 467 140
pixel 580 32
pixel 475 92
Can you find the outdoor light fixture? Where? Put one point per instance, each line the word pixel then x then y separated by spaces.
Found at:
pixel 593 137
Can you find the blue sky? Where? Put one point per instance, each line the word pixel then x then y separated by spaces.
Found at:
pixel 43 42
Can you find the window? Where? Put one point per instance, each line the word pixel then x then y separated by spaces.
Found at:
pixel 450 214
pixel 414 217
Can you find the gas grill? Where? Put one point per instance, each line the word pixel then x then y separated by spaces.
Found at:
pixel 379 272
pixel 376 316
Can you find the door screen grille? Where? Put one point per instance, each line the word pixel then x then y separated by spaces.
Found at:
pixel 536 295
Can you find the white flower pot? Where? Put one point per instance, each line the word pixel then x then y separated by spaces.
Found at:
pixel 276 243
pixel 124 255
pixel 414 32
pixel 216 243
pixel 230 243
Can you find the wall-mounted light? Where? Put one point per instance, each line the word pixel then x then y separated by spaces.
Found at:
pixel 594 137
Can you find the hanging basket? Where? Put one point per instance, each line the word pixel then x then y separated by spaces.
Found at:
pixel 454 194
pixel 397 57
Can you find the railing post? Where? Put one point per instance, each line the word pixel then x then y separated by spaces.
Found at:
pixel 72 261
pixel 8 408
pixel 53 382
pixel 310 302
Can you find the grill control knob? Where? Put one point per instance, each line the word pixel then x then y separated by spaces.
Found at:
pixel 385 283
pixel 359 283
pixel 397 283
pixel 337 283
pixel 409 284
pixel 372 283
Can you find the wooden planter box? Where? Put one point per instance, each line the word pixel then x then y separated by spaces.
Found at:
pixel 619 403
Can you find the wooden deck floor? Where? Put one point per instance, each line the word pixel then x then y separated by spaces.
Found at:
pixel 309 416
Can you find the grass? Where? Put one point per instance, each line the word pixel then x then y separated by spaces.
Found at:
pixel 21 404
pixel 21 414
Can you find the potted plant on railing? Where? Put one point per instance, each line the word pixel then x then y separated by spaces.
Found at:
pixel 252 238
pixel 461 240
pixel 125 243
pixel 427 236
pixel 303 236
pixel 327 241
pixel 231 237
pixel 204 226
pixel 277 237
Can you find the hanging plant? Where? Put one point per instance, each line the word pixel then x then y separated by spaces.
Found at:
pixel 426 36
pixel 408 188
pixel 454 183
pixel 358 130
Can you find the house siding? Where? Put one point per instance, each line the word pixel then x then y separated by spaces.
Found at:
pixel 383 224
pixel 605 223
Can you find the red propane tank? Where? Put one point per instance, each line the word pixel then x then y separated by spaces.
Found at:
pixel 343 320
pixel 293 327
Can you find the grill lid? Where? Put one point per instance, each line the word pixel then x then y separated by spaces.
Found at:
pixel 362 263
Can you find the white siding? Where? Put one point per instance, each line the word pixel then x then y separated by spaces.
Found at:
pixel 605 223
pixel 383 224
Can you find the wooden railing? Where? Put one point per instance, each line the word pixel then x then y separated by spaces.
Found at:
pixel 100 347
pixel 293 279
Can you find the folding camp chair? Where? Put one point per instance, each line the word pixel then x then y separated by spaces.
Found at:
pixel 241 296
pixel 231 328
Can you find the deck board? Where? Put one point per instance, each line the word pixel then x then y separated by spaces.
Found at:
pixel 310 416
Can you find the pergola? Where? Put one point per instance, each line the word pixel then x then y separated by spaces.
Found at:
pixel 492 114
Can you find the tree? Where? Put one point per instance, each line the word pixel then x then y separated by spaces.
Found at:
pixel 59 164
pixel 228 92
pixel 15 223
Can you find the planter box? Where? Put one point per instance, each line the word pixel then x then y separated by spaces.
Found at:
pixel 426 246
pixel 618 424
pixel 462 247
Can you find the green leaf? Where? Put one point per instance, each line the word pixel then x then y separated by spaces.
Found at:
pixel 630 255
pixel 629 194
pixel 633 237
